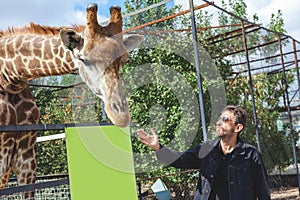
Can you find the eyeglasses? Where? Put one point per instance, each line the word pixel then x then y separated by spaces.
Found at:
pixel 225 119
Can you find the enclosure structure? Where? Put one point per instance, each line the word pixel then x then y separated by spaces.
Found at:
pixel 252 56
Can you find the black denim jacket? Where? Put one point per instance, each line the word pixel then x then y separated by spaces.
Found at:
pixel 247 177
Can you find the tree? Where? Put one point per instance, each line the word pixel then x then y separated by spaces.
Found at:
pixel 152 77
pixel 52 155
pixel 277 22
pixel 62 106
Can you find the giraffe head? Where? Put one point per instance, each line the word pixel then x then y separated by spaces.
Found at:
pixel 101 51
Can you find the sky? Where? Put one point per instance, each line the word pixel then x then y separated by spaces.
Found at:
pixel 68 12
pixel 290 9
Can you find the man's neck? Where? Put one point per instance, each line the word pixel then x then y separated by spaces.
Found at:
pixel 228 144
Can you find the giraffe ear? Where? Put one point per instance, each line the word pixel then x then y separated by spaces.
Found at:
pixel 71 39
pixel 132 41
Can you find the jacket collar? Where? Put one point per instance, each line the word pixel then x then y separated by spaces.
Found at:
pixel 240 148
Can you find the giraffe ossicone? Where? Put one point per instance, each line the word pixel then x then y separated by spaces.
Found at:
pixel 96 52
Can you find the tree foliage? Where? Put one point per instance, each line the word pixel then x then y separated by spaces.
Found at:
pixel 62 106
pixel 52 155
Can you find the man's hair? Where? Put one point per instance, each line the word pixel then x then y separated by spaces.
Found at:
pixel 239 113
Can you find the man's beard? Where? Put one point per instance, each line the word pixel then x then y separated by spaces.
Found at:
pixel 220 133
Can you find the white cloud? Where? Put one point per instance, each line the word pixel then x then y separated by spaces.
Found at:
pixel 18 13
pixel 45 12
pixel 78 17
pixel 264 9
pixel 290 10
pixel 67 12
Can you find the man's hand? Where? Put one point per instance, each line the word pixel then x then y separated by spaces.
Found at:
pixel 149 140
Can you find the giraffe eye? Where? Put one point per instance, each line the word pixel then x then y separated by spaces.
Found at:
pixel 86 62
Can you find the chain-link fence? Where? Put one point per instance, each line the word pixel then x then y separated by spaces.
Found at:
pixel 57 188
pixel 282 186
pixel 46 188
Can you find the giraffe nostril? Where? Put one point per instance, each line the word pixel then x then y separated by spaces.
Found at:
pixel 115 108
pixel 119 108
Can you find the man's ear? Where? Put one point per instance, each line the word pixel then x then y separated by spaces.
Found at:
pixel 239 127
pixel 71 39
pixel 132 41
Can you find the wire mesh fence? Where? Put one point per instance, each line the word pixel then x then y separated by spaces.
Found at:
pixel 181 186
pixel 57 193
pixel 282 186
pixel 45 188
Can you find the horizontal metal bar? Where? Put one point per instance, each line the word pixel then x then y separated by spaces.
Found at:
pixel 35 186
pixel 44 177
pixel 51 137
pixel 166 18
pixel 46 127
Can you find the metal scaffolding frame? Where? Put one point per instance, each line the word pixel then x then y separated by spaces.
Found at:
pixel 254 27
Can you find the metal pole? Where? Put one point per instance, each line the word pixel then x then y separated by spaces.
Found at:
pixel 103 112
pixel 140 190
pixel 289 112
pixel 251 86
pixel 197 63
pixel 296 64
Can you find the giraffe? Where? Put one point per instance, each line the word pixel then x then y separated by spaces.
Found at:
pixel 96 52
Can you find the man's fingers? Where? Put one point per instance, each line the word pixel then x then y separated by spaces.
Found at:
pixel 144 140
pixel 149 140
pixel 146 137
pixel 142 134
pixel 153 132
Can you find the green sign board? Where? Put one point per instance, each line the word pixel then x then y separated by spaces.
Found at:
pixel 100 163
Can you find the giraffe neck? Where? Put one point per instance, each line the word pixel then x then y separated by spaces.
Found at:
pixel 25 57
